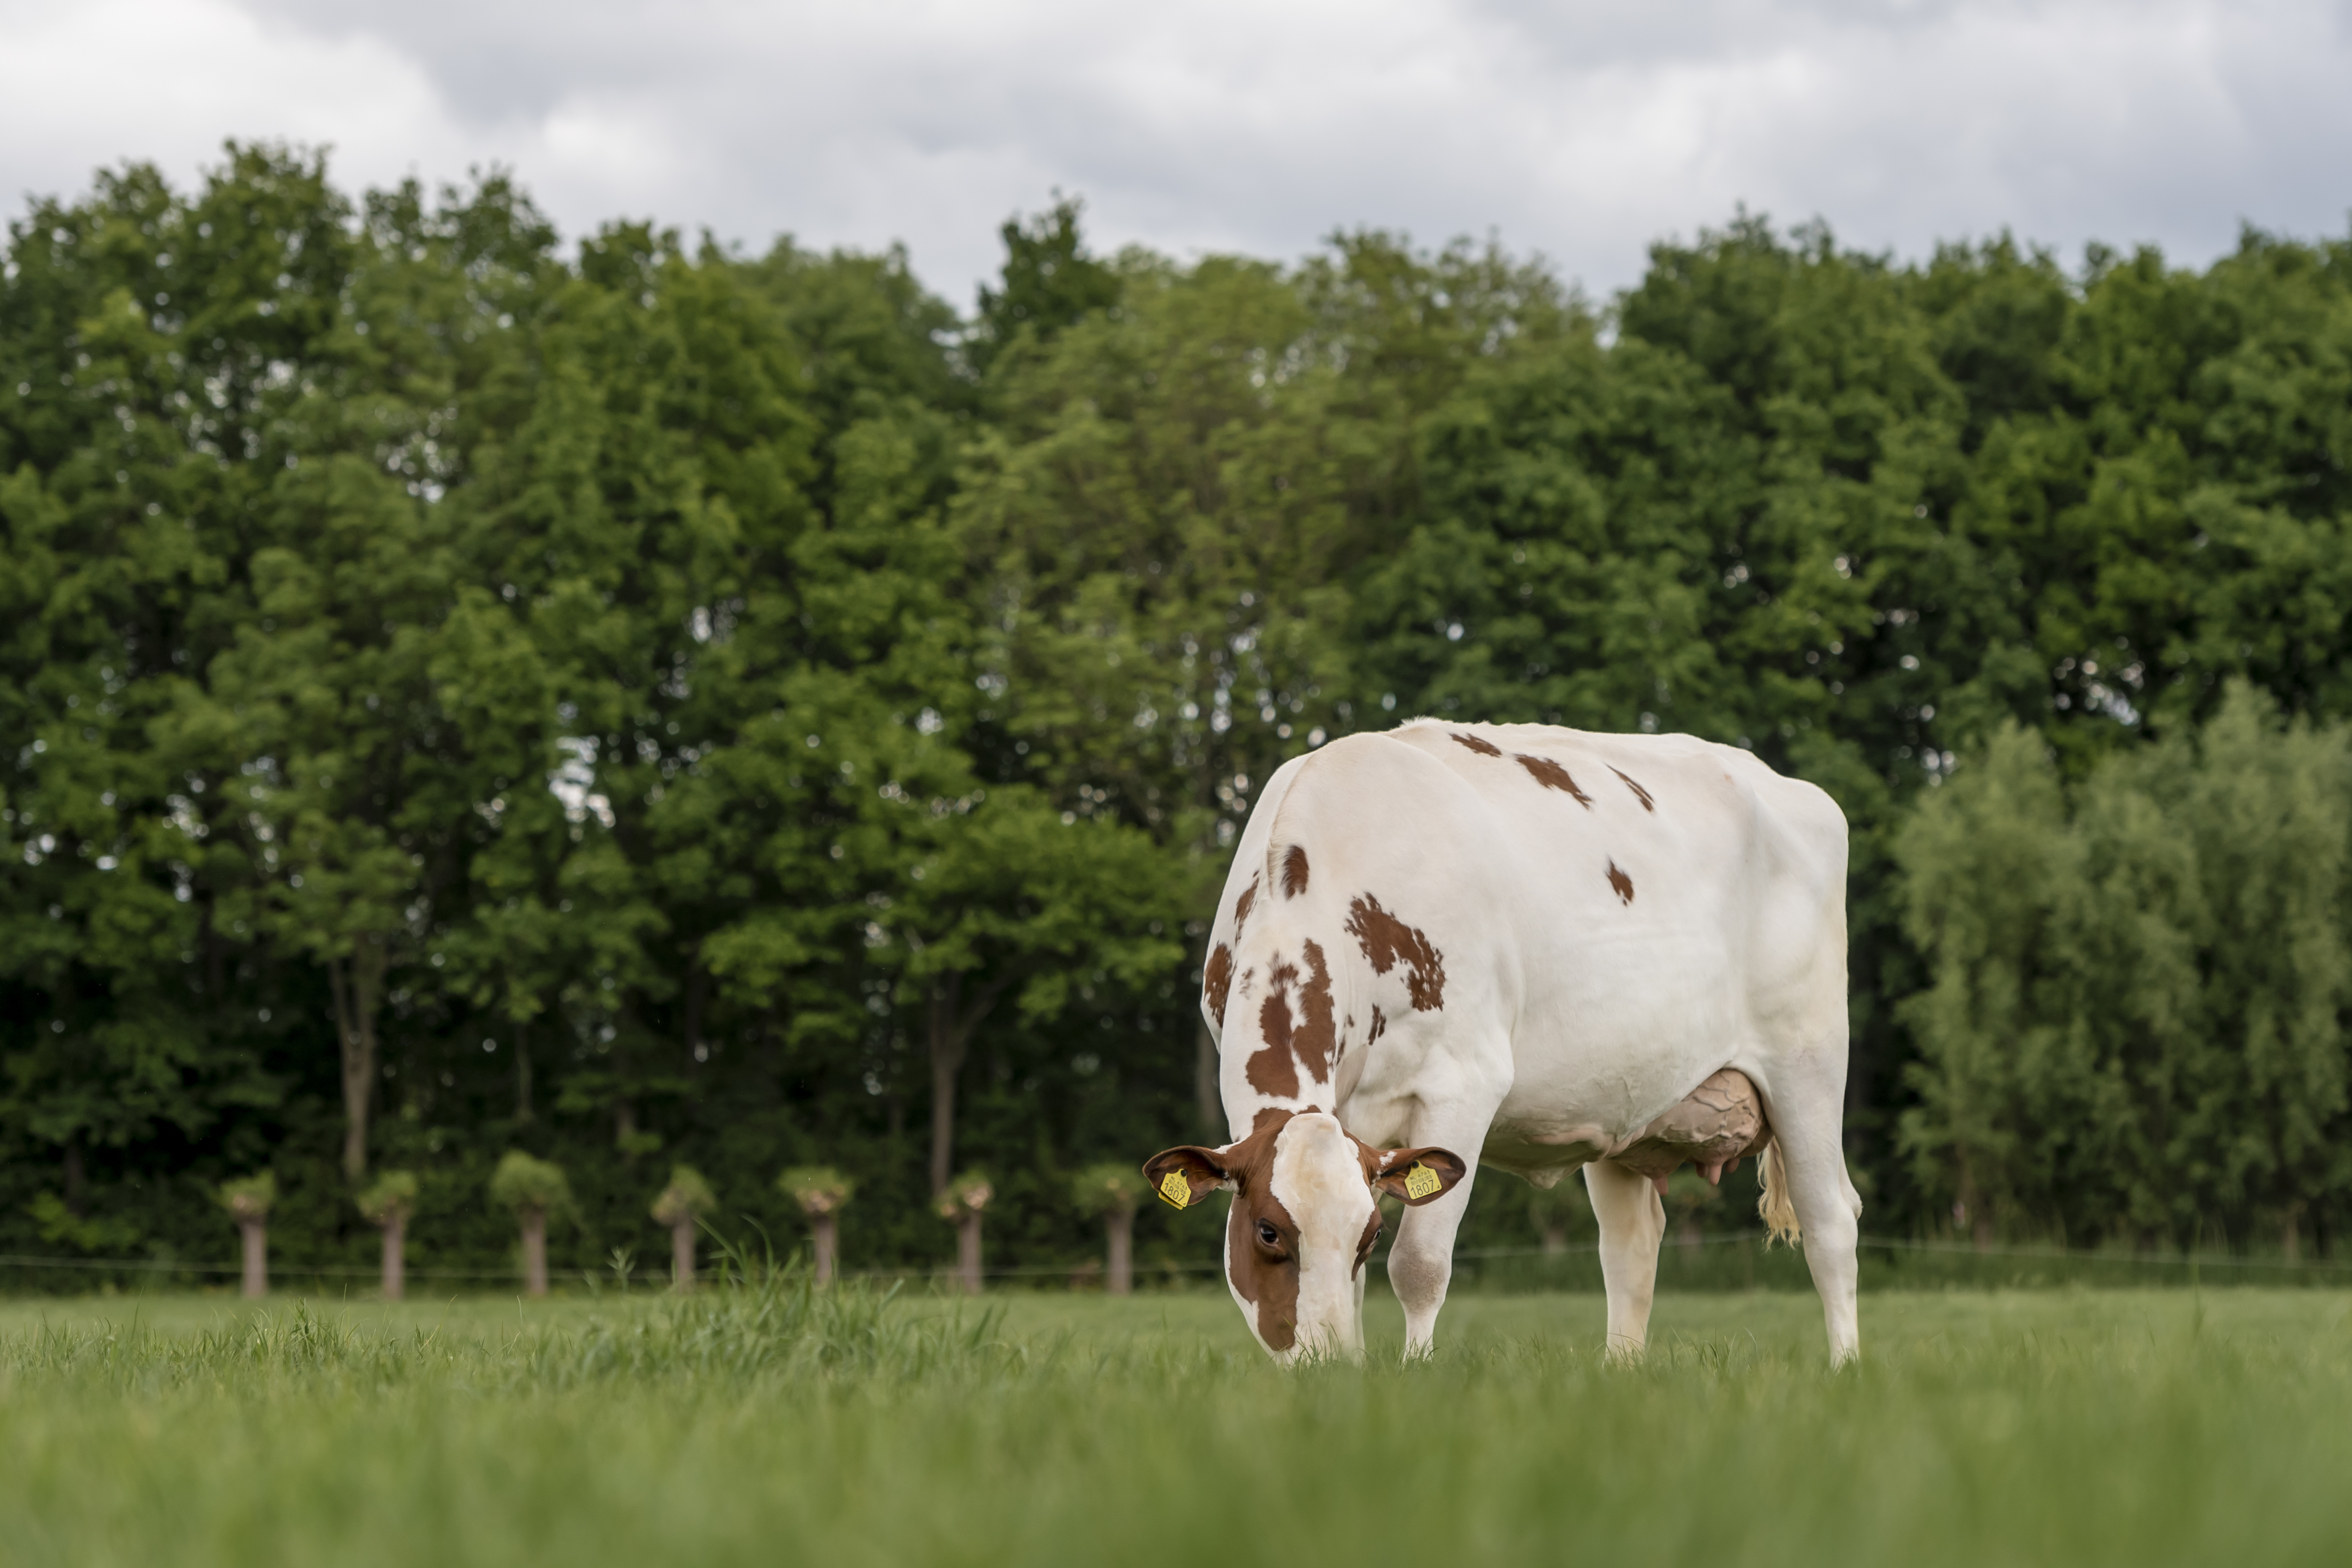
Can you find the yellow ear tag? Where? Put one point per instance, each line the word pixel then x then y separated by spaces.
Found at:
pixel 1175 1191
pixel 1421 1182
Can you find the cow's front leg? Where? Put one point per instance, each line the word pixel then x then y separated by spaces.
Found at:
pixel 1421 1264
pixel 1632 1223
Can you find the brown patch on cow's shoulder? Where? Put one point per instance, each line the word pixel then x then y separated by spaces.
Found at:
pixel 1316 1039
pixel 1271 1069
pixel 1294 872
pixel 1310 1041
pixel 1217 981
pixel 1639 793
pixel 1242 907
pixel 1387 940
pixel 1551 775
pixel 1380 1026
pixel 1484 748
pixel 1622 883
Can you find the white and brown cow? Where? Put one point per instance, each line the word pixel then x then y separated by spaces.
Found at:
pixel 1555 948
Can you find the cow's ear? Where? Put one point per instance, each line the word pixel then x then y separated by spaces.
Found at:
pixel 1184 1176
pixel 1416 1175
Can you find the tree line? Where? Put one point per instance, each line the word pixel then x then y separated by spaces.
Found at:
pixel 649 701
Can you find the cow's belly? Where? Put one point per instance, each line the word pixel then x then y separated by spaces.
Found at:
pixel 1618 1032
pixel 1632 1069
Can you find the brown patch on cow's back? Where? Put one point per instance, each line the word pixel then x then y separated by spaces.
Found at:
pixel 1294 872
pixel 1620 883
pixel 1484 748
pixel 1311 1041
pixel 1640 794
pixel 1242 907
pixel 1387 940
pixel 1217 981
pixel 1551 775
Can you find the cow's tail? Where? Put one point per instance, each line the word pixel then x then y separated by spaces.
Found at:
pixel 1779 1214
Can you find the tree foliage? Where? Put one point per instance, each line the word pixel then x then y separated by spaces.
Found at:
pixel 460 696
pixel 529 1186
pixel 2136 1025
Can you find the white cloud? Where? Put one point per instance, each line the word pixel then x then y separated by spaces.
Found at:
pixel 95 84
pixel 1583 129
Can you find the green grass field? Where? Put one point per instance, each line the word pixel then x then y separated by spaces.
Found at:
pixel 2062 1427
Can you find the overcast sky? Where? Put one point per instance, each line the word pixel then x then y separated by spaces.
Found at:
pixel 1580 130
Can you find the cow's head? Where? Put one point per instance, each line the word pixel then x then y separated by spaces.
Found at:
pixel 1305 1213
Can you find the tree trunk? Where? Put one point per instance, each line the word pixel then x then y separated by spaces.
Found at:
pixel 968 1252
pixel 1555 1240
pixel 215 966
pixel 946 1062
pixel 255 1233
pixel 943 1086
pixel 681 1255
pixel 829 1243
pixel 624 1125
pixel 697 990
pixel 357 983
pixel 1206 1101
pixel 76 1180
pixel 2291 1234
pixel 395 1261
pixel 522 1069
pixel 950 1037
pixel 1686 1233
pixel 1973 1212
pixel 534 1252
pixel 1119 1232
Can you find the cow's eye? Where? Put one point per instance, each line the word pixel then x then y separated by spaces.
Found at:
pixel 1268 1235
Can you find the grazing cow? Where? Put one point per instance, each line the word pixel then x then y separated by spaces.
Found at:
pixel 1544 947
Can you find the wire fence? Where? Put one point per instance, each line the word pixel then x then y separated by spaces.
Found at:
pixel 1528 1266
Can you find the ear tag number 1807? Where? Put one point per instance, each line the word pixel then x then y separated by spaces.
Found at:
pixel 1421 1182
pixel 1175 1191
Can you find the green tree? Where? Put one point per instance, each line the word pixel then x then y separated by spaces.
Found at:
pixel 531 1189
pixel 2136 1026
pixel 248 1200
pixel 961 1202
pixel 387 1203
pixel 821 1192
pixel 1049 282
pixel 1112 1192
pixel 680 1207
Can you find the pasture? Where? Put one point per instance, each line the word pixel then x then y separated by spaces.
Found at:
pixel 767 1424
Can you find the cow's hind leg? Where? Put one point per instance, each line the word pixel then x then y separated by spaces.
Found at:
pixel 1632 1223
pixel 1807 1127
